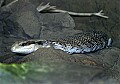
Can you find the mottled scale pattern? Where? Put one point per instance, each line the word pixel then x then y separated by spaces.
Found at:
pixel 83 42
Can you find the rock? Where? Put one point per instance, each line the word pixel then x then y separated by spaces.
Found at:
pixel 104 58
pixel 27 17
pixel 59 20
pixel 56 25
pixel 116 42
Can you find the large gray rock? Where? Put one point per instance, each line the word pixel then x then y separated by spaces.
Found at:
pixel 27 17
pixel 56 25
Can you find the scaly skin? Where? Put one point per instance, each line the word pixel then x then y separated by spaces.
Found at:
pixel 83 42
pixel 78 43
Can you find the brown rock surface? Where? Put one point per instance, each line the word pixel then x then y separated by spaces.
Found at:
pixel 104 58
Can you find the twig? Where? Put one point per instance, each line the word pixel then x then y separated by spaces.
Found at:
pixel 8 5
pixel 53 9
pixel 46 7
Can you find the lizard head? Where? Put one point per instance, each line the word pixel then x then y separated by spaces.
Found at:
pixel 24 47
pixel 29 46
